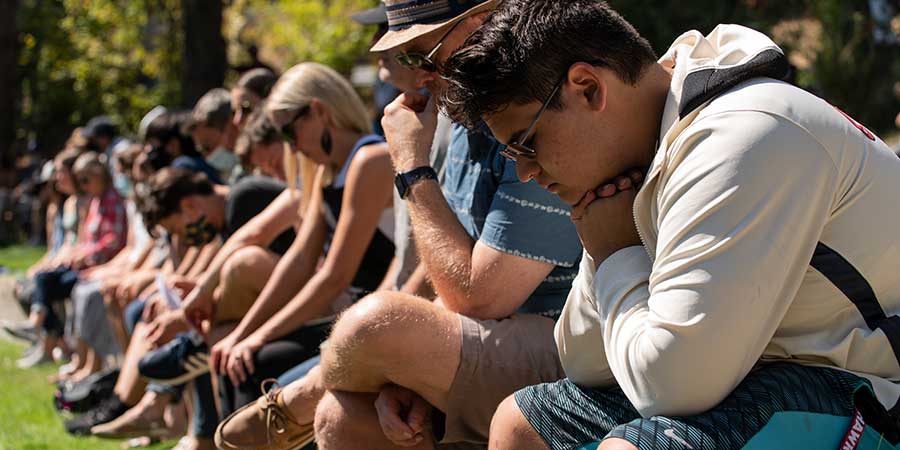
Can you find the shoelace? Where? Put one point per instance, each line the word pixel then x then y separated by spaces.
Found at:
pixel 275 419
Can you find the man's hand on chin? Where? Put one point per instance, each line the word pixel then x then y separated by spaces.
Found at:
pixel 604 218
pixel 409 124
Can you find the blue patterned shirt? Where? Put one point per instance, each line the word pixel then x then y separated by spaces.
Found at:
pixel 507 215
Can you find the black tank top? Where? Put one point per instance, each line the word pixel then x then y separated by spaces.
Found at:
pixel 380 252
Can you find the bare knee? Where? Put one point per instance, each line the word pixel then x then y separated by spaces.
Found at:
pixel 368 334
pixel 244 261
pixel 333 423
pixel 510 430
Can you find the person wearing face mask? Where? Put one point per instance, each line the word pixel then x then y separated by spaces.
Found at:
pixel 101 135
pixel 214 131
pixel 347 199
pixel 255 219
pixel 167 144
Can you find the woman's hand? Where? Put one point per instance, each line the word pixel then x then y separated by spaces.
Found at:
pixel 240 366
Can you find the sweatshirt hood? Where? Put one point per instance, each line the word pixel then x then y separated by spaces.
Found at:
pixel 705 67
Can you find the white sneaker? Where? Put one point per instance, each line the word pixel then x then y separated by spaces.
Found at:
pixel 34 359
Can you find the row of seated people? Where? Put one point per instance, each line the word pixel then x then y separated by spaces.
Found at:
pixel 573 297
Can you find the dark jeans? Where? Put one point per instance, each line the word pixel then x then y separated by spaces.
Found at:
pixel 298 372
pixel 132 314
pixel 51 288
pixel 206 418
pixel 271 361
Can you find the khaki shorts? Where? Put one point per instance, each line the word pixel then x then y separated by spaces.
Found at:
pixel 498 357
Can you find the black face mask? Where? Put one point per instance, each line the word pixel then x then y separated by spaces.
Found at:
pixel 199 233
pixel 158 158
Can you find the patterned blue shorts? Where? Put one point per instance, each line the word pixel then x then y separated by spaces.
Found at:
pixel 778 406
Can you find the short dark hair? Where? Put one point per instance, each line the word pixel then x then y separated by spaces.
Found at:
pixel 161 196
pixel 259 129
pixel 170 125
pixel 258 81
pixel 525 47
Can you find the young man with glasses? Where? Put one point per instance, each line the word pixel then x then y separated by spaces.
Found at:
pixel 493 247
pixel 499 253
pixel 741 297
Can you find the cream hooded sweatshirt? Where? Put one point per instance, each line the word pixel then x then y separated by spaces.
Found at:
pixel 770 224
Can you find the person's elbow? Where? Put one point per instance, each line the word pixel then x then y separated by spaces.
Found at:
pixel 484 307
pixel 677 380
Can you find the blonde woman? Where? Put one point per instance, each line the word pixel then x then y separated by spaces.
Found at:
pixel 347 190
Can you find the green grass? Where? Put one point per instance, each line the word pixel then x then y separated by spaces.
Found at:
pixel 18 258
pixel 28 420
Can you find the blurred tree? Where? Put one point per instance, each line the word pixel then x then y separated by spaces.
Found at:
pixel 287 32
pixel 9 86
pixel 83 58
pixel 204 49
pixel 832 42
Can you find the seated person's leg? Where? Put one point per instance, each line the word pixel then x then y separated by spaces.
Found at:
pixel 130 387
pixel 243 277
pixel 92 328
pixel 272 360
pixel 146 418
pixel 250 426
pixel 132 314
pixel 344 420
pixel 205 416
pixel 462 367
pixel 370 347
pixel 299 371
pixel 823 400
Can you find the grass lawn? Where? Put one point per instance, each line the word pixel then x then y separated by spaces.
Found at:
pixel 18 258
pixel 28 420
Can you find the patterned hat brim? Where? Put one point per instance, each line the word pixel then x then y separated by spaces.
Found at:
pixel 396 38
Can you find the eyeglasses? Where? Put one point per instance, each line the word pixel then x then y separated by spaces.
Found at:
pixel 416 60
pixel 520 147
pixel 83 180
pixel 287 130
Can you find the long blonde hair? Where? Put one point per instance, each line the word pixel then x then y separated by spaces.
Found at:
pixel 296 89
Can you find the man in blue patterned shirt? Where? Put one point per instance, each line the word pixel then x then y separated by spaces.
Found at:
pixel 501 254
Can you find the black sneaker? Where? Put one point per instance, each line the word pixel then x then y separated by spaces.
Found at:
pixel 86 394
pixel 108 410
pixel 184 358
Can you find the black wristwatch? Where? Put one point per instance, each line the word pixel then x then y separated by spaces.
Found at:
pixel 405 180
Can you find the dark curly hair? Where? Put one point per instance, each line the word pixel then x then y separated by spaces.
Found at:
pixel 525 47
pixel 161 196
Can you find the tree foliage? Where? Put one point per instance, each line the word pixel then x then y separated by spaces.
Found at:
pixel 81 58
pixel 289 32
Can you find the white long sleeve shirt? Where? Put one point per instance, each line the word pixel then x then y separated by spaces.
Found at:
pixel 769 221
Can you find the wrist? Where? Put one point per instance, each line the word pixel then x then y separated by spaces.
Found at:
pixel 412 164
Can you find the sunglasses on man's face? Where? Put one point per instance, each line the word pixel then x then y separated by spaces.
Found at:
pixel 521 145
pixel 416 60
pixel 287 130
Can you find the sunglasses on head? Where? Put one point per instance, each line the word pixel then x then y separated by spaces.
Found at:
pixel 416 60
pixel 287 130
